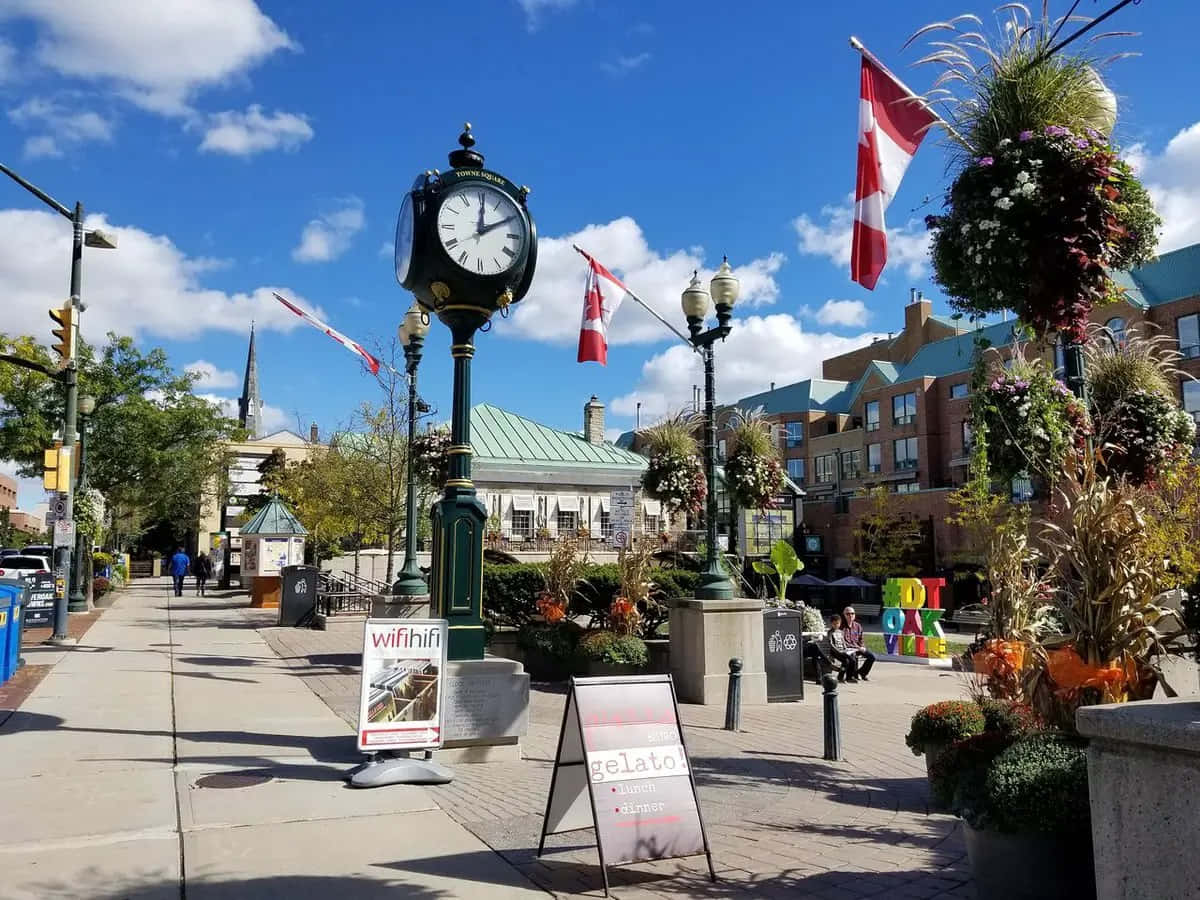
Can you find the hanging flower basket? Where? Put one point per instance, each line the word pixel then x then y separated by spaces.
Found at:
pixel 676 480
pixel 1037 226
pixel 1143 434
pixel 754 480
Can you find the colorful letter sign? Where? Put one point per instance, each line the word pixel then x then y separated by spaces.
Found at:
pixel 912 609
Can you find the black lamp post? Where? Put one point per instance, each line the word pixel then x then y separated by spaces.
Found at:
pixel 723 290
pixel 409 581
pixel 77 601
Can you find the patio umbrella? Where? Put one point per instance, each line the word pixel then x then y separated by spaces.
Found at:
pixel 853 581
pixel 807 581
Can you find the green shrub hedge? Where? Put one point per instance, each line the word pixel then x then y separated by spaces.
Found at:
pixel 1039 784
pixel 510 594
pixel 617 649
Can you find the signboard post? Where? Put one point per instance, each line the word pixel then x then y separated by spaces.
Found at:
pixel 64 533
pixel 39 601
pixel 400 701
pixel 622 768
pixel 621 517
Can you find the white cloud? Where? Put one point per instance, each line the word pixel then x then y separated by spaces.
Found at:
pixel 551 310
pixel 535 8
pixel 623 65
pixel 146 286
pixel 157 53
pixel 209 376
pixel 847 313
pixel 250 132
pixel 908 247
pixel 60 125
pixel 329 236
pixel 759 350
pixel 1173 180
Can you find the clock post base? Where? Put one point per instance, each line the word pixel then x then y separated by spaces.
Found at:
pixel 456 574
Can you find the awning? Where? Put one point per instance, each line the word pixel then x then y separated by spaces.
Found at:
pixel 568 504
pixel 652 507
pixel 523 502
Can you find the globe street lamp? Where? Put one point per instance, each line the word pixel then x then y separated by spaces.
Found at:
pixel 723 290
pixel 77 602
pixel 409 581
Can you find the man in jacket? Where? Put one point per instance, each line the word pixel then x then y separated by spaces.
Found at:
pixel 855 644
pixel 179 569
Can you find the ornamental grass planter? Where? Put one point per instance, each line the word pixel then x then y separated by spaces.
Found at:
pixel 1031 866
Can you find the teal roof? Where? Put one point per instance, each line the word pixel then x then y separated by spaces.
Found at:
pixel 817 394
pixel 954 354
pixel 500 436
pixel 274 518
pixel 1172 276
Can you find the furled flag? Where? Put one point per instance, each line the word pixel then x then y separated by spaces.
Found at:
pixel 603 295
pixel 891 124
pixel 352 346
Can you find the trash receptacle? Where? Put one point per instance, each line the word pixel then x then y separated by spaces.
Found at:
pixel 783 652
pixel 297 595
pixel 10 620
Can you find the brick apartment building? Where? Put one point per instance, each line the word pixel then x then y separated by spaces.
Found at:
pixel 21 521
pixel 895 413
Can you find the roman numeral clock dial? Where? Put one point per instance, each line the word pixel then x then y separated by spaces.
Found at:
pixel 481 228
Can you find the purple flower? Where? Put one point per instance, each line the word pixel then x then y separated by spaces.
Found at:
pixel 1056 131
pixel 986 161
pixel 1081 143
pixel 1026 135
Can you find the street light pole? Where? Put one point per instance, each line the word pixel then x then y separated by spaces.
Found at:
pixel 724 289
pixel 409 581
pixel 79 572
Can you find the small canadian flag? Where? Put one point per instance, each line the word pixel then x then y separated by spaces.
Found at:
pixel 601 298
pixel 892 121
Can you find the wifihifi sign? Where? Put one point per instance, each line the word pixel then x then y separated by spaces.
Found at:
pixel 622 767
pixel 400 697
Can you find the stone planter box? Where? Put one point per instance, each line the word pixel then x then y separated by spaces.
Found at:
pixel 594 668
pixel 660 656
pixel 1032 866
pixel 503 643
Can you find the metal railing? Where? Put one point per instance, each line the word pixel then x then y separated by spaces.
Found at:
pixel 347 594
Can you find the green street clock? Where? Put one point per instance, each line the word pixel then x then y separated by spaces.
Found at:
pixel 466 246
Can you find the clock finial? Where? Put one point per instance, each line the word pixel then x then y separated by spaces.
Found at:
pixel 466 158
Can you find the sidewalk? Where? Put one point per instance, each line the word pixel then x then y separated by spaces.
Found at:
pixel 172 750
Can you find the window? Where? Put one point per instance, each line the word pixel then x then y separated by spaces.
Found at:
pixel 605 525
pixel 721 449
pixel 652 525
pixel 1191 399
pixel 907 487
pixel 795 434
pixel 1060 358
pixel 874 458
pixel 905 453
pixel 968 439
pixel 522 523
pixel 1188 329
pixel 1116 330
pixel 1022 489
pixel 825 466
pixel 904 408
pixel 796 470
pixel 568 522
pixel 871 412
pixel 958 391
pixel 852 464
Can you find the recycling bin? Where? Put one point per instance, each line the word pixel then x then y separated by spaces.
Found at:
pixel 11 596
pixel 297 595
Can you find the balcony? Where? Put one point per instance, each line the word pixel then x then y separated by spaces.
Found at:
pixel 1192 351
pixel 872 426
pixel 904 420
pixel 905 465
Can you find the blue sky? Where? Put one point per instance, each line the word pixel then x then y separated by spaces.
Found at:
pixel 238 147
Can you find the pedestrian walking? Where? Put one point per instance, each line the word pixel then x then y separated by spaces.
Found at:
pixel 179 569
pixel 202 568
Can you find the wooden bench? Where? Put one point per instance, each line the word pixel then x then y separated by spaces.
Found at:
pixel 820 660
pixel 868 610
pixel 973 616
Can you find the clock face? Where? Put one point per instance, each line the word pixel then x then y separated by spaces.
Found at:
pixel 404 239
pixel 481 228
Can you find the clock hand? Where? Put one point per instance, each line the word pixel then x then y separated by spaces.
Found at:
pixel 479 224
pixel 493 226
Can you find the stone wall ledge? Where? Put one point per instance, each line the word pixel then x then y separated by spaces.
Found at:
pixel 1163 724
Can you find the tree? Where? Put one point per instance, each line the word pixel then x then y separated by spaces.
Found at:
pixel 888 537
pixel 153 444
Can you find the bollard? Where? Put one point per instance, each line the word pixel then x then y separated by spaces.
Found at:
pixel 833 730
pixel 733 699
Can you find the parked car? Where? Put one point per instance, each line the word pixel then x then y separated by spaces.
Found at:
pixel 38 550
pixel 9 551
pixel 23 566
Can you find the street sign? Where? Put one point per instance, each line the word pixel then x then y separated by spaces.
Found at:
pixel 39 604
pixel 64 533
pixel 400 696
pixel 622 768
pixel 621 517
pixel 58 507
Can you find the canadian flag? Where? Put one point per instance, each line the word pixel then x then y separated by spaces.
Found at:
pixel 602 297
pixel 891 124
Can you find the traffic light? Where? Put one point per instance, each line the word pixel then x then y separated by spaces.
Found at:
pixel 56 469
pixel 65 332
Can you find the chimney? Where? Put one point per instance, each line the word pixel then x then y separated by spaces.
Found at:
pixel 772 386
pixel 313 436
pixel 917 313
pixel 593 421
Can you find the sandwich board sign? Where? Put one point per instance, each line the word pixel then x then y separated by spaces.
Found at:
pixel 622 768
pixel 400 697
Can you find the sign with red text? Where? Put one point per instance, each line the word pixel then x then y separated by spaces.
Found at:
pixel 400 697
pixel 622 768
pixel 911 620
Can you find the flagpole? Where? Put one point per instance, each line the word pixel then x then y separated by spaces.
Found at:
pixel 642 303
pixel 878 63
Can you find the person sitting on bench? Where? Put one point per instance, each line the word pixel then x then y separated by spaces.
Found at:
pixel 855 646
pixel 840 650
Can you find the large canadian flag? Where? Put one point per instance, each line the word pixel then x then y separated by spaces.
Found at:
pixel 891 124
pixel 604 293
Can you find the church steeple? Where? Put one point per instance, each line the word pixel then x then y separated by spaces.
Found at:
pixel 250 403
